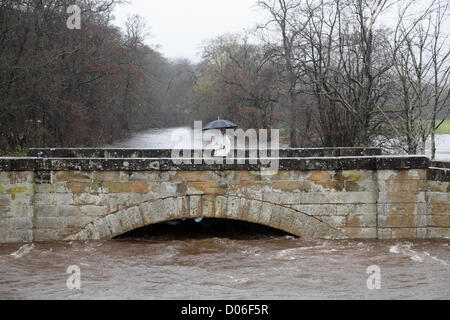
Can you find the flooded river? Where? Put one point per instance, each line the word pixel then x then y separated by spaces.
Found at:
pixel 259 267
pixel 221 259
pixel 162 139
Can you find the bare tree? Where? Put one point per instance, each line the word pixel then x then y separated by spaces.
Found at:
pixel 286 24
pixel 247 78
pixel 440 53
pixel 421 68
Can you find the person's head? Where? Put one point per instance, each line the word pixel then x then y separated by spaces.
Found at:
pixel 222 130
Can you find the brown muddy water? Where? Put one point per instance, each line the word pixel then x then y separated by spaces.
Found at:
pixel 214 259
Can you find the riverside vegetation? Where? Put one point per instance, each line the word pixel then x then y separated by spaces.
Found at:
pixel 327 72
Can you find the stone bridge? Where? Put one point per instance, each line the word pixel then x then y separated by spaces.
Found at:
pixel 330 193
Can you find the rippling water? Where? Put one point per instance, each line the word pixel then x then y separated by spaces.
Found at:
pixel 259 267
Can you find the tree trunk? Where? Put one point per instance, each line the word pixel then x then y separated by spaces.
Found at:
pixel 433 144
pixel 292 123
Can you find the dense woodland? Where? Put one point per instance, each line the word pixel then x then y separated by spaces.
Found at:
pixel 325 72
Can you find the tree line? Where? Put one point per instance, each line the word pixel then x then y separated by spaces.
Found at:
pixel 336 72
pixel 325 72
pixel 70 87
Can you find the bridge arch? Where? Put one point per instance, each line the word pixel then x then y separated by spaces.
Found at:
pixel 257 211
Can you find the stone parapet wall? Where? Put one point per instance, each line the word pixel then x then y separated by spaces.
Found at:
pixel 167 153
pixel 440 164
pixel 200 164
pixel 402 207
pixel 333 198
pixel 16 206
pixel 438 208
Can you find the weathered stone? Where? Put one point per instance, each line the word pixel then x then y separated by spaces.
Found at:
pixel 436 232
pixel 48 222
pixel 195 206
pixel 77 176
pixel 276 216
pixel 209 187
pixel 265 214
pixel 16 223
pixel 401 197
pixel 335 221
pixel 254 211
pixel 76 222
pixel 45 211
pixel 123 187
pixel 316 209
pixel 422 233
pixel 287 218
pixel 208 209
pixel 83 187
pixel 221 207
pixel 234 207
pixel 102 228
pixel 248 189
pixel 330 198
pixel 440 221
pixel 438 186
pixel 93 210
pixel 384 233
pixel 110 176
pixel 134 216
pixel 44 199
pixel 404 233
pixel 113 224
pixel 124 220
pixel 303 226
pixel 17 235
pixel 402 221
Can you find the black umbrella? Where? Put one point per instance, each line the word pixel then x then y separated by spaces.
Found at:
pixel 220 124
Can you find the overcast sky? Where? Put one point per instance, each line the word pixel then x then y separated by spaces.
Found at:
pixel 179 26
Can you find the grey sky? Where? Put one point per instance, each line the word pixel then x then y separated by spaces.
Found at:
pixel 179 26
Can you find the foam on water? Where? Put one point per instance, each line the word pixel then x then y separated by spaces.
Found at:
pixel 424 256
pixel 22 250
pixel 440 261
pixel 327 250
pixel 287 253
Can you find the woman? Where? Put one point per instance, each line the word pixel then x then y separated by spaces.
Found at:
pixel 221 144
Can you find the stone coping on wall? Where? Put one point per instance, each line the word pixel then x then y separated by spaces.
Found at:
pixel 438 174
pixel 440 164
pixel 167 164
pixel 166 153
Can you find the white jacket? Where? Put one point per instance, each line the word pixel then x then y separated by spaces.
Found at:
pixel 221 145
